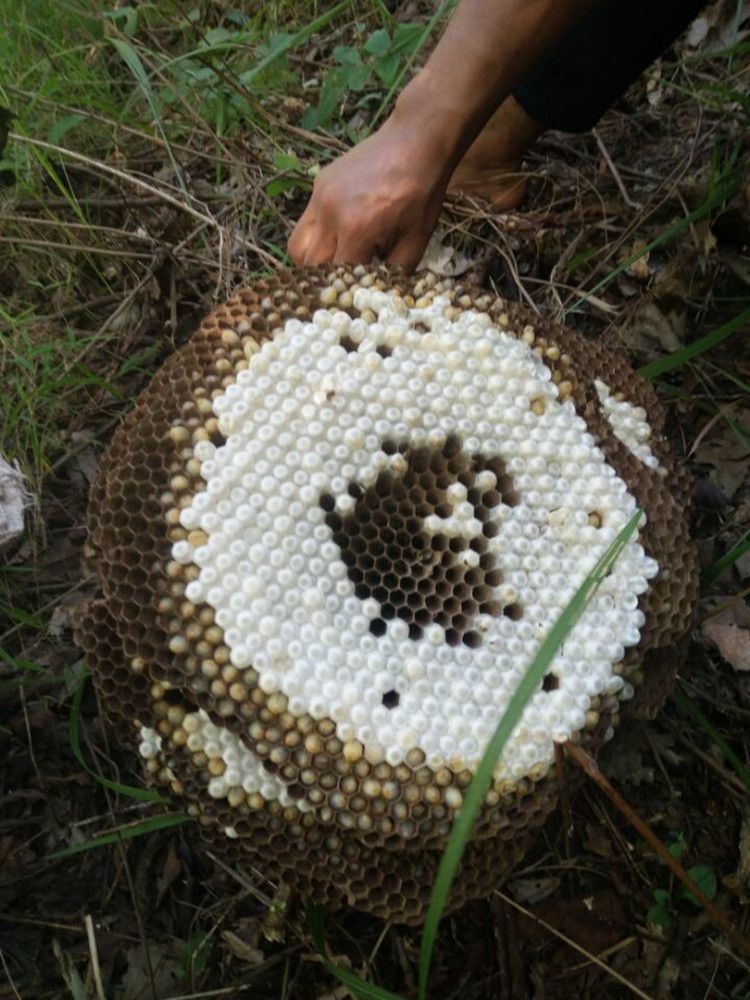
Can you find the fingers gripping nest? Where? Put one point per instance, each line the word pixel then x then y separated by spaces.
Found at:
pixel 330 538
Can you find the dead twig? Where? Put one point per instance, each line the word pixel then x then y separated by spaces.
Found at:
pixel 574 945
pixel 615 172
pixel 587 764
pixel 612 950
pixel 94 953
pixel 105 168
pixel 8 976
pixel 24 241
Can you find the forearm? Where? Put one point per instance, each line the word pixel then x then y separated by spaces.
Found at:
pixel 383 197
pixel 486 49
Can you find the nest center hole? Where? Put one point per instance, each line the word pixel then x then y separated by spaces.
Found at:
pixel 405 546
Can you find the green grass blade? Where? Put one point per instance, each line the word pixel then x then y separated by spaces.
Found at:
pixel 686 703
pixel 134 63
pixel 20 617
pixel 741 384
pixel 6 119
pixel 740 547
pixel 464 821
pixel 296 39
pixel 358 986
pixel 143 794
pixel 727 185
pixel 700 346
pixel 138 830
pixel 22 666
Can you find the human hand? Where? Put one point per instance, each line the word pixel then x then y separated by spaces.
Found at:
pixel 382 198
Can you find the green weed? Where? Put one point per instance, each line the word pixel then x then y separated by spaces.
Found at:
pixel 23 671
pixel 291 175
pixel 379 60
pixel 665 907
pixel 196 953
pixel 738 323
pixel 49 55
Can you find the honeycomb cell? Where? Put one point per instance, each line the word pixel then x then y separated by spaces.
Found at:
pixel 392 539
pixel 329 538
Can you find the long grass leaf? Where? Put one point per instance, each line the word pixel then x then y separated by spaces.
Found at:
pixel 686 703
pixel 356 984
pixel 700 346
pixel 23 666
pixel 726 186
pixel 143 794
pixel 138 830
pixel 134 63
pixel 714 571
pixel 464 822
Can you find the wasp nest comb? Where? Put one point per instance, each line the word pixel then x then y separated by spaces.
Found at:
pixel 330 538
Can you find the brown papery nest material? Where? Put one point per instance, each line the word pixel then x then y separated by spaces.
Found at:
pixel 329 539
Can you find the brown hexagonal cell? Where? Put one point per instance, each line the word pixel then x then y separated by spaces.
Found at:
pixel 421 576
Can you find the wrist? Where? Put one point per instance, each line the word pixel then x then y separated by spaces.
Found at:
pixel 425 109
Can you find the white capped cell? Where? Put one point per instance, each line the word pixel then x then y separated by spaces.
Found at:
pixel 629 424
pixel 291 455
